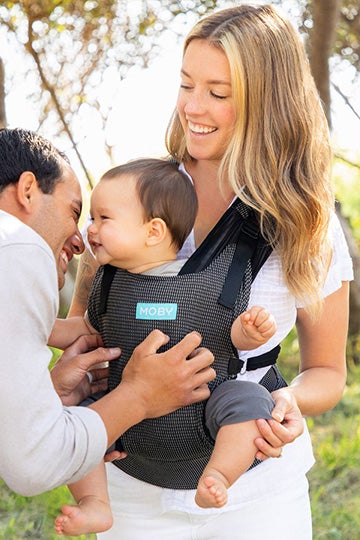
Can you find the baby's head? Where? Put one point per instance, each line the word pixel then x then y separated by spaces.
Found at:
pixel 137 205
pixel 164 192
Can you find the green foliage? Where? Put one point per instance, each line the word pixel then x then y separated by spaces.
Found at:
pixel 32 518
pixel 347 181
pixel 335 479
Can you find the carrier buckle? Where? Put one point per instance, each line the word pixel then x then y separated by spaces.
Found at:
pixel 235 366
pixel 243 367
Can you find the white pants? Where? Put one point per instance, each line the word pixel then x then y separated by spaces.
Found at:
pixel 138 515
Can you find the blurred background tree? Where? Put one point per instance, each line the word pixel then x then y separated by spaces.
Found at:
pixel 75 47
pixel 72 49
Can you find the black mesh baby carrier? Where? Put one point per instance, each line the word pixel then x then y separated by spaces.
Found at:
pixel 210 291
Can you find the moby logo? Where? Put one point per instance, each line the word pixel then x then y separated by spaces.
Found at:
pixel 156 312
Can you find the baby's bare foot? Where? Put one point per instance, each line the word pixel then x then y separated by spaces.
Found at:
pixel 90 516
pixel 211 492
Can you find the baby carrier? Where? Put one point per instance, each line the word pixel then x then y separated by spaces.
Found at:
pixel 210 291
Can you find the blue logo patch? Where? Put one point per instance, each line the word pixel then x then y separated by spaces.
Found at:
pixel 156 312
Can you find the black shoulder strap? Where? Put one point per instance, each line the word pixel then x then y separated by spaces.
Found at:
pixel 226 231
pixel 238 225
pixel 108 276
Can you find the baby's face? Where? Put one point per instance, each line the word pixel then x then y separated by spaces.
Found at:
pixel 118 231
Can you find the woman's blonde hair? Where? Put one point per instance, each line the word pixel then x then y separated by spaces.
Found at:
pixel 279 158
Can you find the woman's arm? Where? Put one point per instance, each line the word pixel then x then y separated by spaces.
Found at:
pixel 84 278
pixel 321 380
pixel 67 331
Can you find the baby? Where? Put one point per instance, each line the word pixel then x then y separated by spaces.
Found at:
pixel 141 214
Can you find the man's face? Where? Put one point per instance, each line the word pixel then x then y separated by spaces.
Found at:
pixel 57 220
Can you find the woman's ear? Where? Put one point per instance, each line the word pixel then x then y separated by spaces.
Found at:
pixel 156 231
pixel 26 190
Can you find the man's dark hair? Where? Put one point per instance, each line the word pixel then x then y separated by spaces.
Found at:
pixel 24 150
pixel 164 192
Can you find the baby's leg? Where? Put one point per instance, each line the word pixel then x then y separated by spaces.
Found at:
pixel 234 452
pixel 230 415
pixel 92 513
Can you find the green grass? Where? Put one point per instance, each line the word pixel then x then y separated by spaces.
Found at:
pixel 31 517
pixel 334 480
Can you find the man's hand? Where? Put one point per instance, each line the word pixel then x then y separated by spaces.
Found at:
pixel 166 381
pixel 69 375
pixel 287 425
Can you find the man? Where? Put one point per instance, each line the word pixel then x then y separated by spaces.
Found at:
pixel 42 443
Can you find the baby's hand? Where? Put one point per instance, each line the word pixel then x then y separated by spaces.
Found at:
pixel 258 322
pixel 253 328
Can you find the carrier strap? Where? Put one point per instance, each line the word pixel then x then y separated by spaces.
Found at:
pixel 108 276
pixel 239 225
pixel 269 358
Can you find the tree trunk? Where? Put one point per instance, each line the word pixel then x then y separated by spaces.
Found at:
pixel 2 96
pixel 325 16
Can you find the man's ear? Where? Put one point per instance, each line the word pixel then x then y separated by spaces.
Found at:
pixel 27 189
pixel 156 231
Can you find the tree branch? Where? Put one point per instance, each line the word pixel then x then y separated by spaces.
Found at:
pixel 346 99
pixel 51 90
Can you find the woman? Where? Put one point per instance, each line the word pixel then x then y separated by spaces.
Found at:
pixel 249 122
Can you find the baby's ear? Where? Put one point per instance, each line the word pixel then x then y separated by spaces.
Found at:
pixel 156 231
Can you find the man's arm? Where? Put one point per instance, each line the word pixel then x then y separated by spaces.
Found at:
pixel 42 445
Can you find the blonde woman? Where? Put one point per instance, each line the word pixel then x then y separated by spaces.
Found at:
pixel 249 122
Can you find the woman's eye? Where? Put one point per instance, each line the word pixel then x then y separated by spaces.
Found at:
pixel 185 87
pixel 218 96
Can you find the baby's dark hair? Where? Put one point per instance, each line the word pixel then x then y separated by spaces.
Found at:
pixel 164 192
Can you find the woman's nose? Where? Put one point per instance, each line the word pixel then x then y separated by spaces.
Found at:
pixel 194 104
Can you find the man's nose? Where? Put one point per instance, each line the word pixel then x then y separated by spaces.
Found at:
pixel 77 243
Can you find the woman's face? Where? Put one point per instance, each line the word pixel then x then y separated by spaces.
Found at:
pixel 205 104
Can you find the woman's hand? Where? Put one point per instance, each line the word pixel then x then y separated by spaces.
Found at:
pixel 287 425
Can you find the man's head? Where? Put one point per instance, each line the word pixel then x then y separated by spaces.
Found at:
pixel 39 187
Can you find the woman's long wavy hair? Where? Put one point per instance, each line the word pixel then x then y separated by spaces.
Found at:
pixel 279 158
